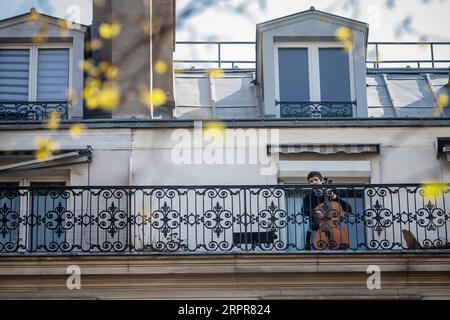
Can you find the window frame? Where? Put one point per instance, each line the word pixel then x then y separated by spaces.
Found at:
pixel 313 67
pixel 33 63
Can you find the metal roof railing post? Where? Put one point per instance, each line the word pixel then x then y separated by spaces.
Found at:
pixel 377 57
pixel 220 62
pixel 432 55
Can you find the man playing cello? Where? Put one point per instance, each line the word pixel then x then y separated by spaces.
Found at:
pixel 324 209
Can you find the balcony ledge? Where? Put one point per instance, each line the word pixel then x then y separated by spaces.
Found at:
pixel 220 264
pixel 312 276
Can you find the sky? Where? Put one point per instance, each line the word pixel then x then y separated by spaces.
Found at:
pixel 80 10
pixel 389 20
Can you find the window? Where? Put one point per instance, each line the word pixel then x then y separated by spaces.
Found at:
pixel 47 206
pixel 294 74
pixel 334 75
pixel 319 72
pixel 34 73
pixel 44 209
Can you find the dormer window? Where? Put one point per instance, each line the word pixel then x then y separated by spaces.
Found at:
pixel 306 70
pixel 38 78
pixel 313 74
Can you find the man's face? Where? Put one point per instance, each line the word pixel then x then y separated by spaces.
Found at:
pixel 315 180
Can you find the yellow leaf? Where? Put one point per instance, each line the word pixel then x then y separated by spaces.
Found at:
pixel 216 73
pixel 93 83
pixel 155 97
pixel 77 130
pixel 109 98
pixel 39 37
pixel 45 148
pixel 146 26
pixel 103 66
pixel 214 130
pixel 433 189
pixel 94 44
pixel 92 103
pixel 34 16
pixel 111 73
pixel 89 67
pixel 109 31
pixel 344 35
pixel 62 23
pixel 160 67
pixel 53 121
pixel 63 29
pixel 443 100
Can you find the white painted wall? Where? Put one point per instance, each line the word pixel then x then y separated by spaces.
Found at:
pixel 407 155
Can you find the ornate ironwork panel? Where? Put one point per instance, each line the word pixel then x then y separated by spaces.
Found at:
pixel 316 109
pixel 32 111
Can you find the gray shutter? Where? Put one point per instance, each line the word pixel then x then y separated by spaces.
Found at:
pixel 53 74
pixel 293 74
pixel 14 74
pixel 334 75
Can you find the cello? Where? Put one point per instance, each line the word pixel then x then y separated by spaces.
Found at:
pixel 331 235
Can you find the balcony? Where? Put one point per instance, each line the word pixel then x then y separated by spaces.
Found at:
pixel 29 110
pixel 316 109
pixel 221 219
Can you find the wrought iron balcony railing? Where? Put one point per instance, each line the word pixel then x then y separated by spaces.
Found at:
pixel 32 110
pixel 221 219
pixel 302 109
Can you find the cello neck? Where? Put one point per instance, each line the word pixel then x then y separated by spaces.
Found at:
pixel 326 198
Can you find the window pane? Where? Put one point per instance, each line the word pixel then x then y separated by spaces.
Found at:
pixel 48 206
pixel 14 75
pixel 293 74
pixel 53 74
pixel 334 75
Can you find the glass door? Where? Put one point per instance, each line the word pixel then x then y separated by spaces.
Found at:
pixel 47 217
pixel 300 236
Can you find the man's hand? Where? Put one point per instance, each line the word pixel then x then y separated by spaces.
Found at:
pixel 319 214
pixel 331 194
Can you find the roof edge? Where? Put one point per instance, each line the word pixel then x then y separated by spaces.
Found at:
pixel 40 17
pixel 312 10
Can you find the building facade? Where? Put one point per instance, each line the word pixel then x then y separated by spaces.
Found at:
pixel 203 195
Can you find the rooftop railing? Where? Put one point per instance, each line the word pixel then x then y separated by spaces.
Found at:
pixel 222 53
pixel 224 219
